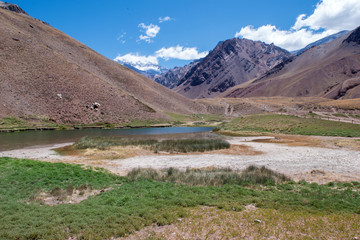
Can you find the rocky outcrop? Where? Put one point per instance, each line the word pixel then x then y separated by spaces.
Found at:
pixel 232 62
pixel 354 36
pixel 12 7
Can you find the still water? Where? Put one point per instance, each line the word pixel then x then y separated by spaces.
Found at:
pixel 17 140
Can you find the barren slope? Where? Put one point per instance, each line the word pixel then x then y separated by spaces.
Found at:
pixel 44 72
pixel 330 70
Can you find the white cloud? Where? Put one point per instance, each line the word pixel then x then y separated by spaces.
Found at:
pixel 290 40
pixel 164 19
pixel 143 63
pixel 151 62
pixel 151 31
pixel 121 38
pixel 180 52
pixel 333 15
pixel 329 17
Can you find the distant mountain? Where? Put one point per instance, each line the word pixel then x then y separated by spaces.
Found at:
pixel 147 73
pixel 330 70
pixel 232 62
pixel 12 7
pixel 172 77
pixel 146 69
pixel 321 41
pixel 46 74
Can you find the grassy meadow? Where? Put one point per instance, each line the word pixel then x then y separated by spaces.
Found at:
pixel 292 125
pixel 141 200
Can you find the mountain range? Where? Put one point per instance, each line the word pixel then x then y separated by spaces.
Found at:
pixel 330 70
pixel 232 62
pixel 238 67
pixel 172 77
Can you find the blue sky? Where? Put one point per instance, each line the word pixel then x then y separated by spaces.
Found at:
pixel 118 28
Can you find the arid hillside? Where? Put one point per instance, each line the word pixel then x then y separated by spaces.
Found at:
pixel 331 70
pixel 46 73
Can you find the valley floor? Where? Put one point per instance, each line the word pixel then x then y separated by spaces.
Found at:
pixel 321 159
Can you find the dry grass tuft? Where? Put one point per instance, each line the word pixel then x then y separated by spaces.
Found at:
pixel 294 140
pixel 210 176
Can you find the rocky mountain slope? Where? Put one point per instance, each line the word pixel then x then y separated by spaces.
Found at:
pixel 232 62
pixel 330 70
pixel 46 73
pixel 173 77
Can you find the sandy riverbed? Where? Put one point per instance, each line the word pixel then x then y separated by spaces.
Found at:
pixel 299 162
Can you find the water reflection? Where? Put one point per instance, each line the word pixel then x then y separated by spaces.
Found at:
pixel 9 141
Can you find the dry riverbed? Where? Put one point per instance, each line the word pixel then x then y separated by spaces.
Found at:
pixel 315 159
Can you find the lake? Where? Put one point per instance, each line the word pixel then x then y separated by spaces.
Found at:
pixel 17 140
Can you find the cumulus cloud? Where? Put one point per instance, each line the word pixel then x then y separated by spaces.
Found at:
pixel 332 15
pixel 151 31
pixel 329 17
pixel 290 40
pixel 180 52
pixel 164 19
pixel 151 62
pixel 143 63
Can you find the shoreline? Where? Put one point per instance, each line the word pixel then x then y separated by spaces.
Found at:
pixel 80 127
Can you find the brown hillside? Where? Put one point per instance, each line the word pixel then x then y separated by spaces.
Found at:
pixel 331 70
pixel 44 72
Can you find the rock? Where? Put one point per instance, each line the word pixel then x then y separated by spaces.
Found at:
pixel 12 7
pixel 317 172
pixel 95 106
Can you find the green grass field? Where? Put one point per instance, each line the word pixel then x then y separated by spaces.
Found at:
pixel 292 125
pixel 29 123
pixel 340 115
pixel 135 203
pixel 206 118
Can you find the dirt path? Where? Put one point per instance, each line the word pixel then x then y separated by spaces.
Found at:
pixel 299 162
